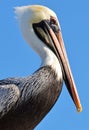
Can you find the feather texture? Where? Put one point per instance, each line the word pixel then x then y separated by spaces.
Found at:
pixel 30 99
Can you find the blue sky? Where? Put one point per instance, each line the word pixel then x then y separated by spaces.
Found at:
pixel 17 59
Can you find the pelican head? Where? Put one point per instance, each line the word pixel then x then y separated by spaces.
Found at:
pixel 41 29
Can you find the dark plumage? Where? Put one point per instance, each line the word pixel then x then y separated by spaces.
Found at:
pixel 25 101
pixel 29 99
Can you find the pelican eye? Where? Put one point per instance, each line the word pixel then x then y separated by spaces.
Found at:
pixel 54 24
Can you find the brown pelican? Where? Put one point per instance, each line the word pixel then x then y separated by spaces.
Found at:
pixel 25 101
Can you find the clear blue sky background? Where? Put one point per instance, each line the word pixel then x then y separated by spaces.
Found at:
pixel 17 59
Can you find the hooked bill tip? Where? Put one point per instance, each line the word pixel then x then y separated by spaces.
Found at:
pixel 79 109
